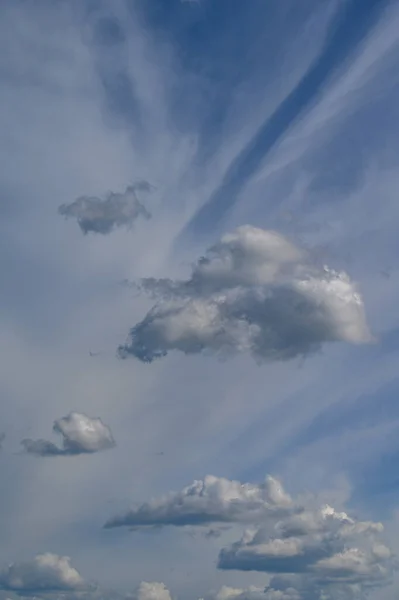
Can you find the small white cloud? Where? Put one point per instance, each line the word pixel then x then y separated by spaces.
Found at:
pixel 102 216
pixel 152 591
pixel 46 572
pixel 209 501
pixel 253 292
pixel 81 435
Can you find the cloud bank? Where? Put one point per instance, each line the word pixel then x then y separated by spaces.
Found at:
pixel 81 435
pixel 214 500
pixel 310 551
pixel 117 210
pixel 254 593
pixel 45 573
pixel 254 292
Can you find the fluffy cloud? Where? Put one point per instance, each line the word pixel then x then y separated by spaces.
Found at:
pixel 311 552
pixel 116 210
pixel 323 551
pixel 253 292
pixel 54 577
pixel 152 591
pixel 45 573
pixel 210 501
pixel 81 435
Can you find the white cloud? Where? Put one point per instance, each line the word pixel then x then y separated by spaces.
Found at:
pixel 308 549
pixel 102 216
pixel 253 292
pixel 46 572
pixel 81 435
pixel 210 501
pixel 320 548
pixel 152 591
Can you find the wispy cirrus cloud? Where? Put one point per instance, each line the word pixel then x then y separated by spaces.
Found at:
pixel 199 99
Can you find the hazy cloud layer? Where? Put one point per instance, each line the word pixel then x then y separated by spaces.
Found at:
pixel 210 501
pixel 45 573
pixel 254 593
pixel 81 435
pixel 116 210
pixel 253 292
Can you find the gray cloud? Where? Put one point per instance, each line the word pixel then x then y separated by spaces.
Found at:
pixel 81 435
pixel 45 573
pixel 2 438
pixel 253 292
pixel 116 210
pixel 209 501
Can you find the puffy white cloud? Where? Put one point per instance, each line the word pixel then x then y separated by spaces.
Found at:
pixel 311 551
pixel 152 591
pixel 323 550
pixel 253 292
pixel 81 435
pixel 209 501
pixel 45 573
pixel 116 210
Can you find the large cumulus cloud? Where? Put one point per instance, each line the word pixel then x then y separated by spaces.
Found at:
pixel 252 292
pixel 214 500
pixel 45 573
pixel 321 550
pixel 117 210
pixel 81 435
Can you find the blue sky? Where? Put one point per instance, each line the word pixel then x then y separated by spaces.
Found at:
pixel 164 125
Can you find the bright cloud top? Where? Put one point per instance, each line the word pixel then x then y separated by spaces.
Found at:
pixel 81 435
pixel 210 501
pixel 252 292
pixel 116 210
pixel 46 572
